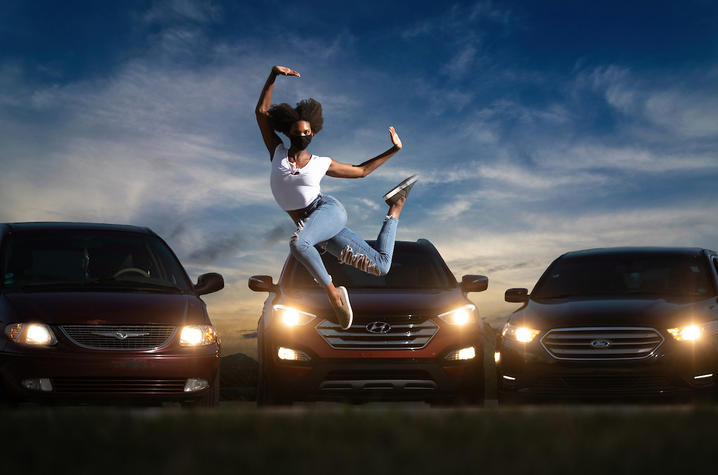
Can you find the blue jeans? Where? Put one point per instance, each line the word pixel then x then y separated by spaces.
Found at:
pixel 325 225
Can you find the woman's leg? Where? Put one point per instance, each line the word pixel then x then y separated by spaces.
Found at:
pixel 325 222
pixel 351 249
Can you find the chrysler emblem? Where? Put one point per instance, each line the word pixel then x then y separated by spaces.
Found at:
pixel 120 335
pixel 378 327
pixel 600 344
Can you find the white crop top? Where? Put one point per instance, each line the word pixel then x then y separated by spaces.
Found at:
pixel 294 188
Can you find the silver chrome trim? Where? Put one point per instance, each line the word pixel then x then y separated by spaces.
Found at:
pixel 416 336
pixel 94 329
pixel 604 333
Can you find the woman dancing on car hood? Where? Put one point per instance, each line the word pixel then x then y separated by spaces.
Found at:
pixel 320 218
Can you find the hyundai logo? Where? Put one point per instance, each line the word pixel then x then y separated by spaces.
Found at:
pixel 599 344
pixel 378 327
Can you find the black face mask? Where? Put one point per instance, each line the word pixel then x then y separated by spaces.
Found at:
pixel 300 142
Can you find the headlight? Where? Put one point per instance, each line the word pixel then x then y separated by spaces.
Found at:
pixel 520 334
pixel 197 335
pixel 694 332
pixel 468 353
pixel 460 316
pixel 35 334
pixel 292 317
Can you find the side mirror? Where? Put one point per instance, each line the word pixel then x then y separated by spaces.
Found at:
pixel 474 283
pixel 208 283
pixel 517 295
pixel 262 283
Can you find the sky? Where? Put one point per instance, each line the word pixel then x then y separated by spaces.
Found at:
pixel 537 127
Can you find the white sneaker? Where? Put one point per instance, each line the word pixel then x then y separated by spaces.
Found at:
pixel 344 313
pixel 400 191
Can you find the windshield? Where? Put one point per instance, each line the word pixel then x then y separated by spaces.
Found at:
pixel 412 267
pixel 656 274
pixel 85 260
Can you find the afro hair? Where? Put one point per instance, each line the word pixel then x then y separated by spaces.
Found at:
pixel 282 116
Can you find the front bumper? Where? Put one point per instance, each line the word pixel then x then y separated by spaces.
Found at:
pixel 379 379
pixel 675 369
pixel 107 375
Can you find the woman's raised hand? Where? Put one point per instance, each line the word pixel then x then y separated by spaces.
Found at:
pixel 394 138
pixel 285 71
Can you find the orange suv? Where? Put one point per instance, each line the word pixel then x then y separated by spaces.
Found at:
pixel 415 335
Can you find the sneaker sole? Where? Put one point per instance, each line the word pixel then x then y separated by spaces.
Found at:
pixel 344 296
pixel 404 184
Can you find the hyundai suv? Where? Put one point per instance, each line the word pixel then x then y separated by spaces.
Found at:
pixel 613 324
pixel 415 335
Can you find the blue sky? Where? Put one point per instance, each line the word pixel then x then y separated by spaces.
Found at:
pixel 536 127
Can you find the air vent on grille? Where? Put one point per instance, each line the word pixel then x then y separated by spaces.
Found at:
pixel 397 335
pixel 601 343
pixel 117 386
pixel 119 337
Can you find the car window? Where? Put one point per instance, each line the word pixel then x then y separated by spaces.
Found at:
pixel 90 259
pixel 412 267
pixel 625 274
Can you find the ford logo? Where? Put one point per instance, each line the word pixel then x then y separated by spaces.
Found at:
pixel 599 344
pixel 378 327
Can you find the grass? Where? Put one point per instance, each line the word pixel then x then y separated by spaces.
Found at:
pixel 361 439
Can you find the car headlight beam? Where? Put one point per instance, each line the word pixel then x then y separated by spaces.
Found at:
pixel 197 335
pixel 32 334
pixel 522 334
pixel 694 332
pixel 291 317
pixel 460 316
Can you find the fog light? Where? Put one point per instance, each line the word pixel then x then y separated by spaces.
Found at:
pixel 37 384
pixel 703 376
pixel 467 353
pixel 195 384
pixel 289 354
pixel 497 357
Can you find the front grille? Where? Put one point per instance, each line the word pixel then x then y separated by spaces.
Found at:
pixel 402 334
pixel 601 343
pixel 119 337
pixel 139 386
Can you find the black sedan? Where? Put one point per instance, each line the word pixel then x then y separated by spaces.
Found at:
pixel 614 323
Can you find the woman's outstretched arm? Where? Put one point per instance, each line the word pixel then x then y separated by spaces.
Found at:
pixel 271 139
pixel 345 170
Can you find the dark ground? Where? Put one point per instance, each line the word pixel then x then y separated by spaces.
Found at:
pixel 332 438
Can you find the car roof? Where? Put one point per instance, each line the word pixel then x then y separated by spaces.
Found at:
pixel 687 251
pixel 71 226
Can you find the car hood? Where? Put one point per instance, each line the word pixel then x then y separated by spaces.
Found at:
pixel 652 312
pixel 110 308
pixel 420 302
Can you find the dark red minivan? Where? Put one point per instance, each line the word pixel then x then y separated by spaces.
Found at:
pixel 102 312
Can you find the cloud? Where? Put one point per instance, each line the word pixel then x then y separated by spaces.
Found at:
pixel 170 11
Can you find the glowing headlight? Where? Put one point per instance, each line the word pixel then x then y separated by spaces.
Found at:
pixel 460 316
pixel 35 334
pixel 520 334
pixel 468 353
pixel 197 335
pixel 289 354
pixel 694 332
pixel 292 317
